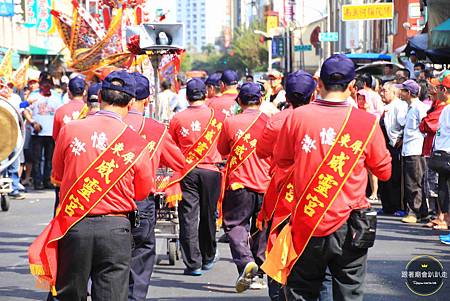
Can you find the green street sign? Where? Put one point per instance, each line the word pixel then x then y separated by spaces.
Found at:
pixel 328 36
pixel 302 48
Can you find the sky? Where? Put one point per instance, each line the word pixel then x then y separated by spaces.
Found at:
pixel 312 9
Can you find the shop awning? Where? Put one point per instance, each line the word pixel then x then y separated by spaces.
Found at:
pixel 440 35
pixel 35 50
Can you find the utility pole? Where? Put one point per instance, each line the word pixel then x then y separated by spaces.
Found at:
pixel 330 5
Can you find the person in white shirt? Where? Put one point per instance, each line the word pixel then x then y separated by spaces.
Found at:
pixel 375 106
pixel 409 63
pixel 414 164
pixel 392 123
pixel 163 111
pixel 7 95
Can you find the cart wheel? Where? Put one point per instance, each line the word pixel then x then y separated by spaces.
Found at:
pixel 172 252
pixel 177 250
pixel 5 203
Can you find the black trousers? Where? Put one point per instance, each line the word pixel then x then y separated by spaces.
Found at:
pixel 444 192
pixel 347 265
pixel 240 211
pixel 42 145
pixel 197 215
pixel 99 248
pixel 390 191
pixel 144 250
pixel 414 168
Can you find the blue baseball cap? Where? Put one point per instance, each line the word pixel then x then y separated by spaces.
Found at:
pixel 337 69
pixel 195 89
pixel 409 85
pixel 121 81
pixel 229 77
pixel 249 92
pixel 77 85
pixel 142 85
pixel 93 92
pixel 300 82
pixel 214 79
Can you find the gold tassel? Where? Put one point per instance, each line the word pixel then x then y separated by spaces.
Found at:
pixel 37 269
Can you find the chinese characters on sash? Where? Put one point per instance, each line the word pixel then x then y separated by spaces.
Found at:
pixel 320 193
pixel 242 149
pixel 98 178
pixel 201 147
pixel 327 181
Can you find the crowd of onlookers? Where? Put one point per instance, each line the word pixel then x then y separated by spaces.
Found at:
pixel 414 118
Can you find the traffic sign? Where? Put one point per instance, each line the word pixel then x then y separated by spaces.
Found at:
pixel 374 11
pixel 302 47
pixel 272 23
pixel 277 46
pixel 328 36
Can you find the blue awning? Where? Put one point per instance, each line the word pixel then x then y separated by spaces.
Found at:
pixel 368 56
pixel 440 35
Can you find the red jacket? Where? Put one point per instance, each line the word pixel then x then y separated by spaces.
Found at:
pixel 65 114
pixel 254 172
pixel 429 126
pixel 267 143
pixel 187 126
pixel 224 103
pixel 81 142
pixel 264 149
pixel 168 154
pixel 304 140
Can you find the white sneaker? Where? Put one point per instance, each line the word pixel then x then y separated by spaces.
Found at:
pixel 258 283
pixel 245 279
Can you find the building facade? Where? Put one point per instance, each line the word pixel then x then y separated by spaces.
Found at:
pixel 203 21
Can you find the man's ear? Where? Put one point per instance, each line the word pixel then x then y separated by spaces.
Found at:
pixel 352 84
pixel 131 103
pixel 99 95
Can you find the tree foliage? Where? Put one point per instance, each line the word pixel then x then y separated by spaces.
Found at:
pixel 249 52
pixel 246 53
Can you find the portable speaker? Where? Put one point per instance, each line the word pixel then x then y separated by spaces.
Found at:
pixel 155 36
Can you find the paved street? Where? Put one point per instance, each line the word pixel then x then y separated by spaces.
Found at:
pixel 396 245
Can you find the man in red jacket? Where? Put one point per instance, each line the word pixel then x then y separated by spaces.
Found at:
pixel 330 178
pixel 71 110
pixel 195 131
pixel 300 87
pixel 100 179
pixel 226 103
pixel 247 178
pixel 167 154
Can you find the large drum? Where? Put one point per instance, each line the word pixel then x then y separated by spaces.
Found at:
pixel 12 133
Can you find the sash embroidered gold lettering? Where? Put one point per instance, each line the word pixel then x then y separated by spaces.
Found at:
pixel 86 192
pixel 320 193
pixel 200 149
pixel 240 151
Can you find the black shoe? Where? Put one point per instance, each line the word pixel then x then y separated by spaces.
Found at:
pixel 48 185
pixel 38 187
pixel 189 272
